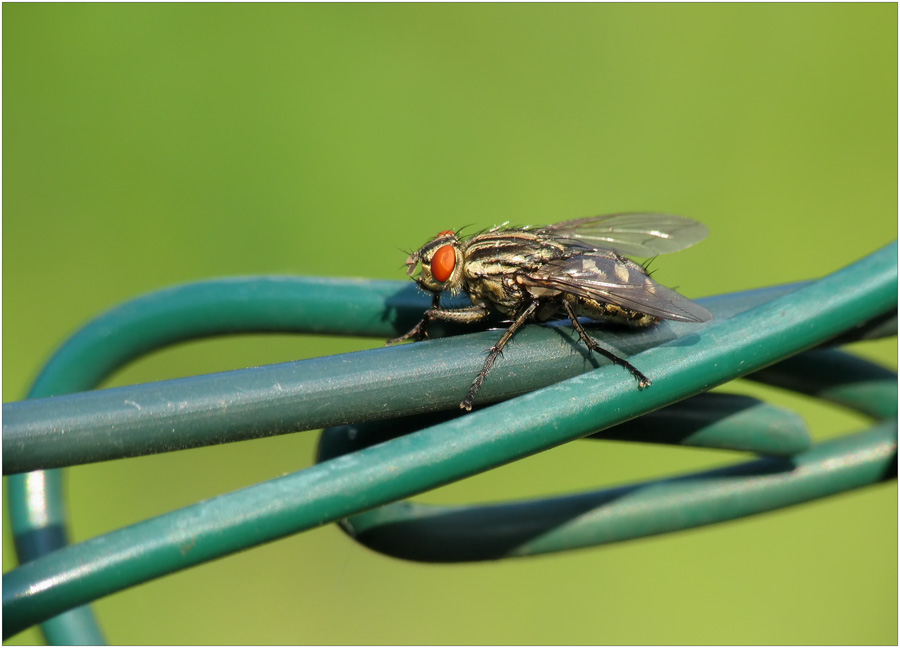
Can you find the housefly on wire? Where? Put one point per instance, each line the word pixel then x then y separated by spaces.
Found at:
pixel 572 269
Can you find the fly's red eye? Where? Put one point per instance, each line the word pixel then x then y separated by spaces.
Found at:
pixel 442 263
pixel 445 233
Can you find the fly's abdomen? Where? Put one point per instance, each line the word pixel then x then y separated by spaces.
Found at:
pixel 599 310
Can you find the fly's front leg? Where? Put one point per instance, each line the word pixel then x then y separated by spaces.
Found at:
pixel 467 315
pixel 494 352
pixel 420 330
pixel 593 345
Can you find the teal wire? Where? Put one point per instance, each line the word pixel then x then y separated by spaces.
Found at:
pixel 134 420
pixel 241 304
pixel 446 533
pixel 442 533
pixel 487 438
pixel 254 304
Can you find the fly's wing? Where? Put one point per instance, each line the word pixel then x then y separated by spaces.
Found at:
pixel 640 235
pixel 606 279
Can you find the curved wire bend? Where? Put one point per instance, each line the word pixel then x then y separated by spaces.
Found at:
pixel 751 331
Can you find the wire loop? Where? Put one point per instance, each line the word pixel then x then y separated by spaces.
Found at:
pixel 751 332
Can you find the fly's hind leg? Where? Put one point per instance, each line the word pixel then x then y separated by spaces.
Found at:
pixel 593 345
pixel 494 352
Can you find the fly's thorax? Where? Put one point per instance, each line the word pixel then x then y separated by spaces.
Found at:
pixel 493 260
pixel 505 252
pixel 500 292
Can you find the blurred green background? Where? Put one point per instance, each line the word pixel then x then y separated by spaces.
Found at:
pixel 152 144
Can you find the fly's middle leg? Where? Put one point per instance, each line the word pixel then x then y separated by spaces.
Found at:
pixel 494 352
pixel 593 345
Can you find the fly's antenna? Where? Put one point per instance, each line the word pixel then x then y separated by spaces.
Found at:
pixel 408 254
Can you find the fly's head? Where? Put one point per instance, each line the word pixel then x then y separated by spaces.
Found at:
pixel 441 260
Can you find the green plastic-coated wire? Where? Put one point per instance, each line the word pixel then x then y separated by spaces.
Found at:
pixel 68 430
pixel 234 305
pixel 432 533
pixel 436 533
pixel 727 347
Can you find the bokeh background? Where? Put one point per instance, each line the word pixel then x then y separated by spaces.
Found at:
pixel 151 144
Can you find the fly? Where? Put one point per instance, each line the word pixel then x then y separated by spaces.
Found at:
pixel 573 269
